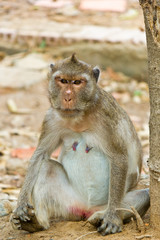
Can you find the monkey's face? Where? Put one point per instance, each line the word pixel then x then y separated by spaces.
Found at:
pixel 72 86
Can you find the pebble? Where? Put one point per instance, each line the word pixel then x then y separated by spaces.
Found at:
pixel 16 165
pixel 6 207
pixel 32 61
pixel 19 78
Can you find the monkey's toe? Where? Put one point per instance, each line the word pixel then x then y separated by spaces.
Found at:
pixel 31 226
pixel 96 219
pixel 24 219
pixel 24 212
pixel 15 222
pixel 109 228
pixel 107 222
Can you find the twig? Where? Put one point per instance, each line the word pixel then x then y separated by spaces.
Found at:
pixel 140 223
pixel 143 236
pixel 125 209
pixel 85 235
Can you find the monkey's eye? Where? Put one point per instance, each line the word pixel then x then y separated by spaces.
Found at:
pixel 77 82
pixel 64 81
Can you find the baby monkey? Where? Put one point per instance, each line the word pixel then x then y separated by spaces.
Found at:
pixel 100 160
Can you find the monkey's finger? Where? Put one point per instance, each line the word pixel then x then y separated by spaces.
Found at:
pixel 99 222
pixel 112 228
pixel 108 230
pixel 102 227
pixel 115 229
pixel 119 229
pixel 15 221
pixel 19 227
pixel 25 209
pixel 24 218
pixel 16 226
pixel 95 220
pixel 14 217
pixel 29 206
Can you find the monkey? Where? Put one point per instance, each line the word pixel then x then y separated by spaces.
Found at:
pixel 100 160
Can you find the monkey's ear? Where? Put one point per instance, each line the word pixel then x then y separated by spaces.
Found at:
pixel 96 73
pixel 51 66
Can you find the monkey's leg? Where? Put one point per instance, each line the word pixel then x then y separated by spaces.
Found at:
pixel 52 195
pixel 31 224
pixel 139 199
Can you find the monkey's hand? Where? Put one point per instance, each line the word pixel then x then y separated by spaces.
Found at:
pixel 24 218
pixel 107 222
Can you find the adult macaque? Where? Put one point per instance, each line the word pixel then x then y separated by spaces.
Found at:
pixel 100 160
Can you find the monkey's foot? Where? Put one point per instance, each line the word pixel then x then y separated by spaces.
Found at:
pixel 107 222
pixel 24 219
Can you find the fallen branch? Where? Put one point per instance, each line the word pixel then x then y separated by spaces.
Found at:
pixel 143 236
pixel 125 209
pixel 85 235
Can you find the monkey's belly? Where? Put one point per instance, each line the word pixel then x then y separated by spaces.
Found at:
pixel 88 172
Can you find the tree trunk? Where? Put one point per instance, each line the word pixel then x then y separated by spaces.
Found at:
pixel 151 11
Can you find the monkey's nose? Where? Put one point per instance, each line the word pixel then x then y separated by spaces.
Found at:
pixel 67 99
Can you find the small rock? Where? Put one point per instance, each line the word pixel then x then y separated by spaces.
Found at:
pixel 126 98
pixel 136 99
pixel 1 227
pixel 4 196
pixel 18 78
pixel 130 14
pixel 9 60
pixel 15 165
pixel 6 207
pixel 11 238
pixel 32 61
pixel 143 86
pixel 68 11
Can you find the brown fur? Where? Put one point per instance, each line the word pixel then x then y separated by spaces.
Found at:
pixel 100 161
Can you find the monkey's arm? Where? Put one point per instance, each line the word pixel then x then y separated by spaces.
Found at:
pixel 115 149
pixel 48 142
pixel 112 221
pixel 109 220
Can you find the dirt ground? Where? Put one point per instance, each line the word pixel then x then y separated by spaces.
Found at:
pixel 21 131
pixel 14 9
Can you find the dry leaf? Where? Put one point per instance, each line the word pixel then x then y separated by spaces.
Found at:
pixel 12 107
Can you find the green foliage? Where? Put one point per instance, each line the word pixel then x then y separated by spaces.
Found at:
pixel 137 93
pixel 43 44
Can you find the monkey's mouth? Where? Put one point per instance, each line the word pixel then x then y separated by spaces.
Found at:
pixel 68 112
